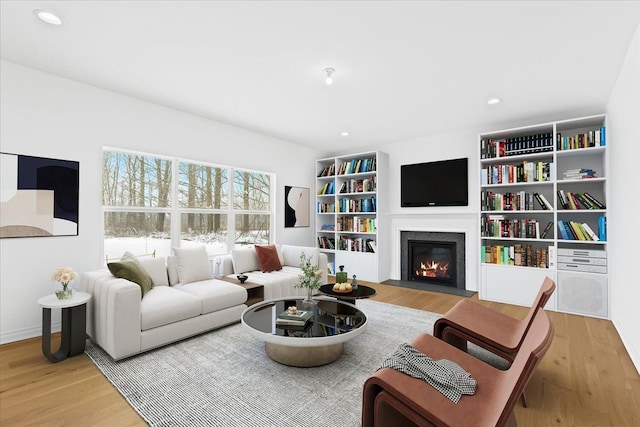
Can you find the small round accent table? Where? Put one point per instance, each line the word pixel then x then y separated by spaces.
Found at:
pixel 350 297
pixel 74 325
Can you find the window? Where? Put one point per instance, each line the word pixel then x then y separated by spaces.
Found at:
pixel 251 201
pixel 151 203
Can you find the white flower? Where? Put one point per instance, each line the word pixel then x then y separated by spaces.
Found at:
pixel 310 277
pixel 64 275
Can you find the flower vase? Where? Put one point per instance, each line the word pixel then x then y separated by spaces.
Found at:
pixel 64 291
pixel 308 303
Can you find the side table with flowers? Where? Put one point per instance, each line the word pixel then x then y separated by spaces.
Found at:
pixel 64 276
pixel 73 324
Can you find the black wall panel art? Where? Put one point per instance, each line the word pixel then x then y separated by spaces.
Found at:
pixel 296 206
pixel 38 196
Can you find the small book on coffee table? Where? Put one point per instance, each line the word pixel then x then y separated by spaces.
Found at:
pixel 298 319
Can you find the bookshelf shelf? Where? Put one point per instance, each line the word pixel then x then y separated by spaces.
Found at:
pixel 359 201
pixel 570 161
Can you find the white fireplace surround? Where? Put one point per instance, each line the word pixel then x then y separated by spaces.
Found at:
pixel 446 223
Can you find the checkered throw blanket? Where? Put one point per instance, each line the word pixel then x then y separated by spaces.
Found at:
pixel 444 375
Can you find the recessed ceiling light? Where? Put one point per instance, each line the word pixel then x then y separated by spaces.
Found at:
pixel 48 17
pixel 329 79
pixel 344 133
pixel 493 101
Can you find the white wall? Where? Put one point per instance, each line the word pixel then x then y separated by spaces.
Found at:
pixel 47 116
pixel 622 224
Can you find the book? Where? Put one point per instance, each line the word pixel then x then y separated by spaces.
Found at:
pixel 584 201
pixel 546 230
pixel 589 231
pixel 563 230
pixel 575 200
pixel 581 232
pixel 300 318
pixel 563 199
pixel 572 204
pixel 546 202
pixel 551 256
pixel 593 200
pixel 602 228
pixel 541 202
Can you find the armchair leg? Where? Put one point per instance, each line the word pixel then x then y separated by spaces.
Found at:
pixel 523 399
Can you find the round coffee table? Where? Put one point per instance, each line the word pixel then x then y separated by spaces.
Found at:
pixel 350 297
pixel 318 342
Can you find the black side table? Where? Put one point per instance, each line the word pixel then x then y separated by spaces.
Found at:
pixel 363 291
pixel 74 325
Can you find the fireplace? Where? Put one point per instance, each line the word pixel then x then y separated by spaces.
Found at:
pixel 432 262
pixel 433 258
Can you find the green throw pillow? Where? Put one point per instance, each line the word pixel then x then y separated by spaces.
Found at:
pixel 130 268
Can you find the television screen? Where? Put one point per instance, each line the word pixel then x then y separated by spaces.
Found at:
pixel 440 183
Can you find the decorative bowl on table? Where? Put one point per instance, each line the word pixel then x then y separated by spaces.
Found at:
pixel 342 288
pixel 242 278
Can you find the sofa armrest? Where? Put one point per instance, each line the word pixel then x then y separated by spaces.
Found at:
pixel 222 265
pixel 113 313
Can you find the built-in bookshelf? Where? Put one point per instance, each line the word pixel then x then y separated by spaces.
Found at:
pixel 351 199
pixel 543 208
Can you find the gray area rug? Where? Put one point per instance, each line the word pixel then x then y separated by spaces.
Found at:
pixel 224 377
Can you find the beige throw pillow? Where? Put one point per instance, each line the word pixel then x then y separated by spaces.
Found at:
pixel 193 264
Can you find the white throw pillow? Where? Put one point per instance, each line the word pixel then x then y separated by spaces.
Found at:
pixel 291 254
pixel 172 270
pixel 157 269
pixel 245 259
pixel 193 264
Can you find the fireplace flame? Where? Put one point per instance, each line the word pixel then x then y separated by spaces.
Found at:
pixel 433 269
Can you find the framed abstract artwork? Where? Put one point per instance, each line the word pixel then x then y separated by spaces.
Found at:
pixel 296 206
pixel 38 196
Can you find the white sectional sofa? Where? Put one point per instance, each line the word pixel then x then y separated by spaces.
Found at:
pixel 125 318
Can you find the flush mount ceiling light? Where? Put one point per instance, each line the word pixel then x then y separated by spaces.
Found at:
pixel 344 133
pixel 48 17
pixel 329 80
pixel 493 101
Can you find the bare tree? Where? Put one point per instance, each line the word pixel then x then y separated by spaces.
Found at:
pixel 163 182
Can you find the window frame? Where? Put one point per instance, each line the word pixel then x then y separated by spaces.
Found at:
pixel 176 211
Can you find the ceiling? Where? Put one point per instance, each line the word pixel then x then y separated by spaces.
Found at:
pixel 404 69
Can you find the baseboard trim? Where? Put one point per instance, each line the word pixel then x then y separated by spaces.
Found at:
pixel 428 287
pixel 633 352
pixel 23 334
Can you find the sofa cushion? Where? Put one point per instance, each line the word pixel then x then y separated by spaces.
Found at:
pixel 291 254
pixel 215 294
pixel 129 268
pixel 193 264
pixel 164 305
pixel 245 259
pixel 268 258
pixel 157 269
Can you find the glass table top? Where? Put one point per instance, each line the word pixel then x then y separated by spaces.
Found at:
pixel 328 317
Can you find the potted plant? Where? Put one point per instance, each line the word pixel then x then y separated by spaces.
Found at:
pixel 310 277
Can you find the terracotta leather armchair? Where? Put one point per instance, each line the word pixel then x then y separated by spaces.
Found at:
pixel 468 321
pixel 391 398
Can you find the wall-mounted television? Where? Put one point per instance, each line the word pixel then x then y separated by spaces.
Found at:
pixel 439 183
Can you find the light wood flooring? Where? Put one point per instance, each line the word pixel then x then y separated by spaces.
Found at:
pixel 585 379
